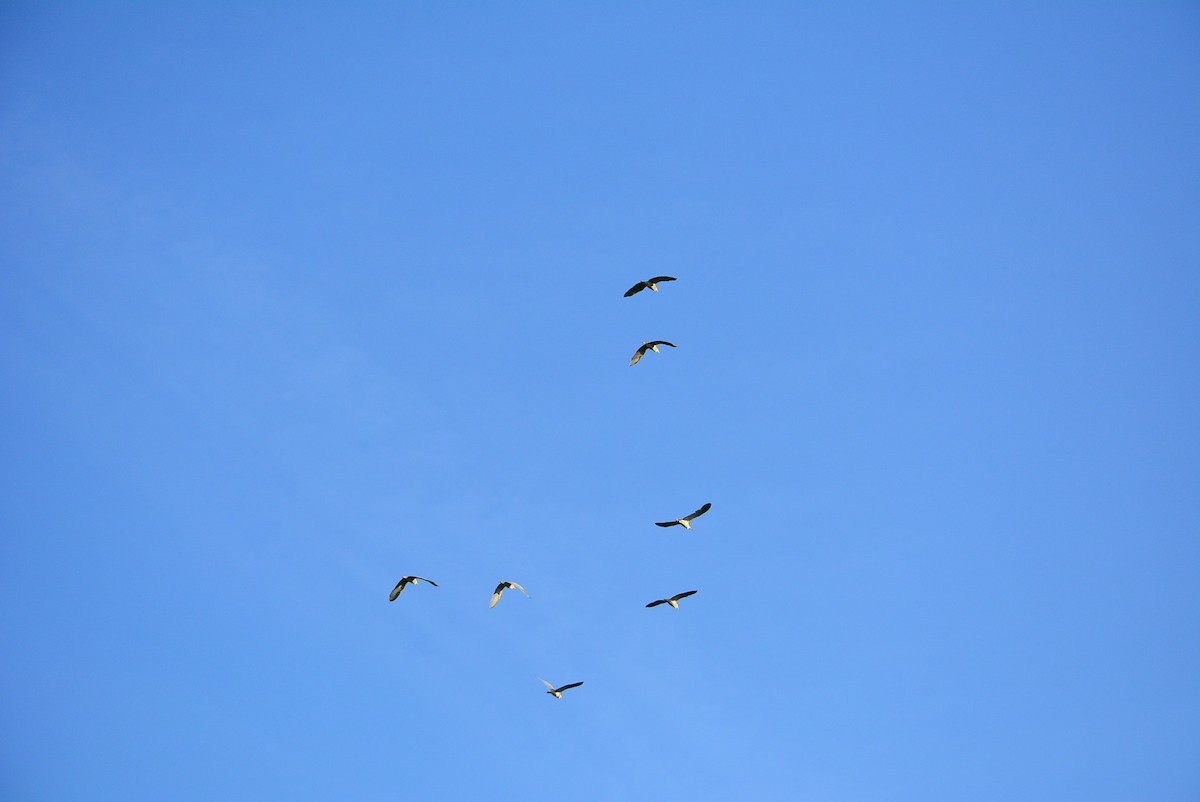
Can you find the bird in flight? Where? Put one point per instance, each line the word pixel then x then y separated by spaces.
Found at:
pixel 557 692
pixel 650 283
pixel 503 586
pixel 408 580
pixel 686 521
pixel 673 601
pixel 651 346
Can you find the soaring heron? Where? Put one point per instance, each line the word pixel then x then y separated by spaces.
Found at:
pixel 650 283
pixel 557 692
pixel 651 346
pixel 686 521
pixel 408 580
pixel 673 601
pixel 503 586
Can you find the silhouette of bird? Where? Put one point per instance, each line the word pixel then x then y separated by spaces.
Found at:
pixel 651 346
pixel 408 580
pixel 557 692
pixel 686 521
pixel 650 283
pixel 500 591
pixel 673 601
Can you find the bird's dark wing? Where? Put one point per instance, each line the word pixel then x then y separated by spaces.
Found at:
pixel 656 603
pixel 679 596
pixel 657 279
pixel 565 687
pixel 636 288
pixel 423 579
pixel 500 588
pixel 637 356
pixel 666 523
pixel 396 590
pixel 661 342
pixel 698 512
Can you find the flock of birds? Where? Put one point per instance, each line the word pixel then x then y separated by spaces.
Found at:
pixel 685 521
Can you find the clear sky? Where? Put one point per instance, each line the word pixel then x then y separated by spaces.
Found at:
pixel 297 299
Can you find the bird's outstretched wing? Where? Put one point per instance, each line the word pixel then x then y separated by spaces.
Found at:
pixel 496 595
pixel 660 342
pixel 698 512
pixel 565 687
pixel 638 354
pixel 423 579
pixel 636 288
pixel 396 591
pixel 656 603
pixel 658 279
pixel 679 596
pixel 518 587
pixel 547 684
pixel 666 523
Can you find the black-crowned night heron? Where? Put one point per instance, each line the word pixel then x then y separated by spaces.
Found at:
pixel 686 521
pixel 673 601
pixel 503 586
pixel 648 284
pixel 408 580
pixel 650 346
pixel 557 692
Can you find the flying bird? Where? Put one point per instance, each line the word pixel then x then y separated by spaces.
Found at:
pixel 686 521
pixel 503 586
pixel 408 580
pixel 650 283
pixel 557 692
pixel 673 601
pixel 652 346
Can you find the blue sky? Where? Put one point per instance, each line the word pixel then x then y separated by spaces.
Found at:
pixel 296 300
